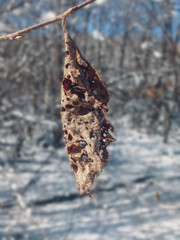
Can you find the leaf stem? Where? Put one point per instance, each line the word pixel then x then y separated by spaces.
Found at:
pixel 21 33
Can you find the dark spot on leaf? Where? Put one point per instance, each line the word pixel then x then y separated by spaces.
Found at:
pixel 69 119
pixel 105 154
pixel 107 126
pixel 84 111
pixel 91 72
pixel 67 52
pixel 70 137
pixel 73 149
pixel 74 167
pixel 91 134
pixel 81 96
pixel 75 103
pixel 67 65
pixel 67 84
pixel 91 175
pixel 63 109
pixel 74 159
pixel 89 160
pixel 79 92
pixel 69 106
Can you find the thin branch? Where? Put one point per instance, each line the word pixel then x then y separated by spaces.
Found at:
pixel 20 34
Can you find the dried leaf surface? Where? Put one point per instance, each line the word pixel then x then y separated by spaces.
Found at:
pixel 84 99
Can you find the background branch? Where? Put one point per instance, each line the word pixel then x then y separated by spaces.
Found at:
pixel 21 33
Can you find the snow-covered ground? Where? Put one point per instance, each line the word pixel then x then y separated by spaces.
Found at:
pixel 136 197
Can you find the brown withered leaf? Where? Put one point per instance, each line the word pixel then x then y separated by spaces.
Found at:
pixel 84 99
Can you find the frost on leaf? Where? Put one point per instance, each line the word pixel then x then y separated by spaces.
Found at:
pixel 84 99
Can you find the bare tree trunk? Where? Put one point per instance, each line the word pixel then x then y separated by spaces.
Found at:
pixel 123 46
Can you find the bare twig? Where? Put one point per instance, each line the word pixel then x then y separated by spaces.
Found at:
pixel 20 34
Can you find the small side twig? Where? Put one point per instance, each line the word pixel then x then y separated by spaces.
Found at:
pixel 21 33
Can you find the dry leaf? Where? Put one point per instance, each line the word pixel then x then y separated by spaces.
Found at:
pixel 84 99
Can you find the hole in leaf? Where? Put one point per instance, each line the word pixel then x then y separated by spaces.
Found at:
pixel 84 156
pixel 82 143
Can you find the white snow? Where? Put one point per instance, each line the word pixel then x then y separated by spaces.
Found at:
pixel 157 54
pixel 100 2
pixel 146 45
pixel 98 35
pixel 47 15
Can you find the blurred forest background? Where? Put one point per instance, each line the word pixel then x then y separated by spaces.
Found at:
pixel 135 45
